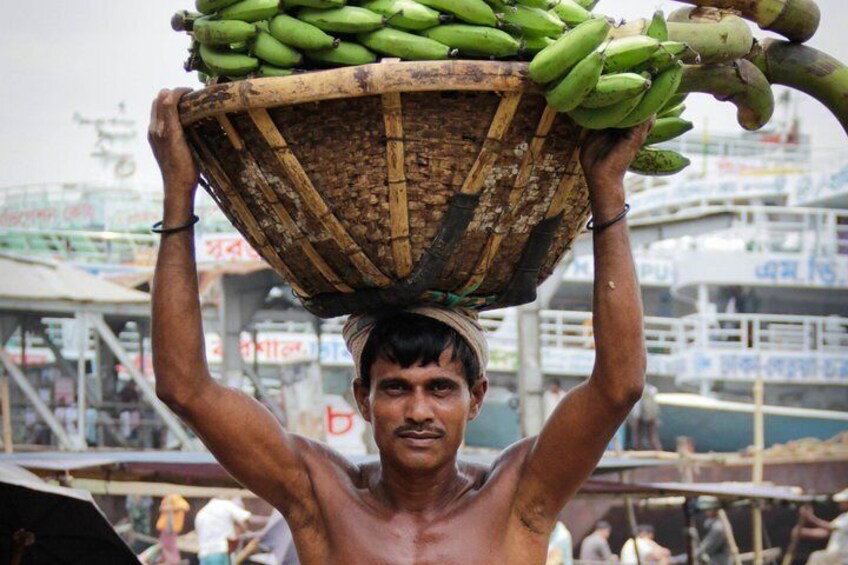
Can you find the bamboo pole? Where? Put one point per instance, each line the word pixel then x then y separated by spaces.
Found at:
pixel 757 470
pixel 731 539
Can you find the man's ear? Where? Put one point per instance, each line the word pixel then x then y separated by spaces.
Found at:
pixel 361 393
pixel 478 393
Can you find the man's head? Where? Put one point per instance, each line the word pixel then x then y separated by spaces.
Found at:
pixel 555 386
pixel 841 498
pixel 603 529
pixel 645 531
pixel 420 381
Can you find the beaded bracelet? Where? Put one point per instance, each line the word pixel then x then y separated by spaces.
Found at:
pixel 159 228
pixel 598 229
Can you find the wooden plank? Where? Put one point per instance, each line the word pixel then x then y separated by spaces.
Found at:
pixel 503 223
pixel 217 174
pixel 398 201
pixel 492 146
pixel 312 199
pixel 351 82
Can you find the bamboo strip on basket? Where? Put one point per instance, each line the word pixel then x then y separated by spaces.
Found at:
pixel 570 178
pixel 222 181
pixel 351 82
pixel 287 222
pixel 492 146
pixel 528 164
pixel 398 202
pixel 312 199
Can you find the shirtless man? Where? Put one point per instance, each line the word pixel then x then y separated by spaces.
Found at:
pixel 418 504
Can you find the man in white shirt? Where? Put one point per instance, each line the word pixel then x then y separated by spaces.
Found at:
pixel 215 525
pixel 836 532
pixel 649 550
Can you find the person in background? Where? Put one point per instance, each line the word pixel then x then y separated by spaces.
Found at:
pixel 650 552
pixel 559 546
pixel 644 421
pixel 551 397
pixel 836 532
pixel 595 546
pixel 172 511
pixel 139 513
pixel 715 546
pixel 216 526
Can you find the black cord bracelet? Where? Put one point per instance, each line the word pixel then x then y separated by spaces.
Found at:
pixel 598 229
pixel 159 228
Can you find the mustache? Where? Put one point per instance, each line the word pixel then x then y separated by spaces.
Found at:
pixel 419 428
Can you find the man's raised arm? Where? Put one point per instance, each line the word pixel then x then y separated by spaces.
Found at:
pixel 241 433
pixel 577 433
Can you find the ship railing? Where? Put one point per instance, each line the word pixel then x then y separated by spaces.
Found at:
pixel 85 246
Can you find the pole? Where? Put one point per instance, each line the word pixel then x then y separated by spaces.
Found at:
pixel 82 329
pixel 731 539
pixel 689 516
pixel 757 471
pixel 7 412
pixel 530 377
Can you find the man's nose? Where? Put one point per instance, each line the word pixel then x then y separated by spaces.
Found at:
pixel 418 409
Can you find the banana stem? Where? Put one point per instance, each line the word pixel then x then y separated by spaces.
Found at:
pixel 796 20
pixel 806 69
pixel 715 37
pixel 741 83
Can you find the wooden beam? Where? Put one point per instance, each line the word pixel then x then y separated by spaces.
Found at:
pixel 398 202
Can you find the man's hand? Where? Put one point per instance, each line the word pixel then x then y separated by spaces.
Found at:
pixel 170 148
pixel 605 157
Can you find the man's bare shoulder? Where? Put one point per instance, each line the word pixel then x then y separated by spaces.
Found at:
pixel 321 459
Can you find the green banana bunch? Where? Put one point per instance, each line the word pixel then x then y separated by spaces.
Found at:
pixel 570 91
pixel 475 40
pixel 532 45
pixel 300 34
pixel 227 64
pixel 627 52
pixel 347 19
pixel 211 6
pixel 405 45
pixel 272 71
pixel 541 4
pixel 666 129
pixel 572 47
pixel 222 32
pixel 604 118
pixel 658 162
pixel 470 11
pixel 533 22
pixel 674 102
pixel 673 112
pixel 251 10
pixel 346 53
pixel 615 88
pixel 570 12
pixel 711 41
pixel 324 4
pixel 406 14
pixel 267 48
pixel 669 53
pixel 662 89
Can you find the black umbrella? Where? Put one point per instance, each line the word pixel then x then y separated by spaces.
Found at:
pixel 41 524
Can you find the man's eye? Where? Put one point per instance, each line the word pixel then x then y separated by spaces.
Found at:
pixel 443 386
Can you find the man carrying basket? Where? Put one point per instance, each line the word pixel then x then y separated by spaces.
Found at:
pixel 420 380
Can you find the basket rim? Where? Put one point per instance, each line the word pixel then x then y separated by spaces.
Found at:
pixel 357 81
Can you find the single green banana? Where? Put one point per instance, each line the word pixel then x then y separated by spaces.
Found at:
pixel 299 34
pixel 604 118
pixel 405 14
pixel 722 39
pixel 628 52
pixel 541 4
pixel 587 4
pixel 570 91
pixel 532 45
pixel 572 47
pixel 666 129
pixel 470 11
pixel 313 3
pixel 346 54
pixel 668 55
pixel 348 19
pixel 475 40
pixel 615 88
pixel 651 161
pixel 658 28
pixel 240 47
pixel 673 112
pixel 498 6
pixel 663 88
pixel 675 101
pixel 274 52
pixel 210 6
pixel 533 21
pixel 227 64
pixel 571 12
pixel 405 45
pixel 272 71
pixel 222 32
pixel 251 10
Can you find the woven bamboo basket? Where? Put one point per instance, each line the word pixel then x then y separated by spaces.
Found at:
pixel 395 183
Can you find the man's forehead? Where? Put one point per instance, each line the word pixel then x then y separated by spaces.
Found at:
pixel 445 368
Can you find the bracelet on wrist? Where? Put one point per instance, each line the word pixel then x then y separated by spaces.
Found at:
pixel 599 228
pixel 160 228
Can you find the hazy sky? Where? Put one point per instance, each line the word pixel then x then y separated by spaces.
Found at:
pixel 89 55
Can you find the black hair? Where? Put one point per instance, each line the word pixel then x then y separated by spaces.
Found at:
pixel 603 526
pixel 412 339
